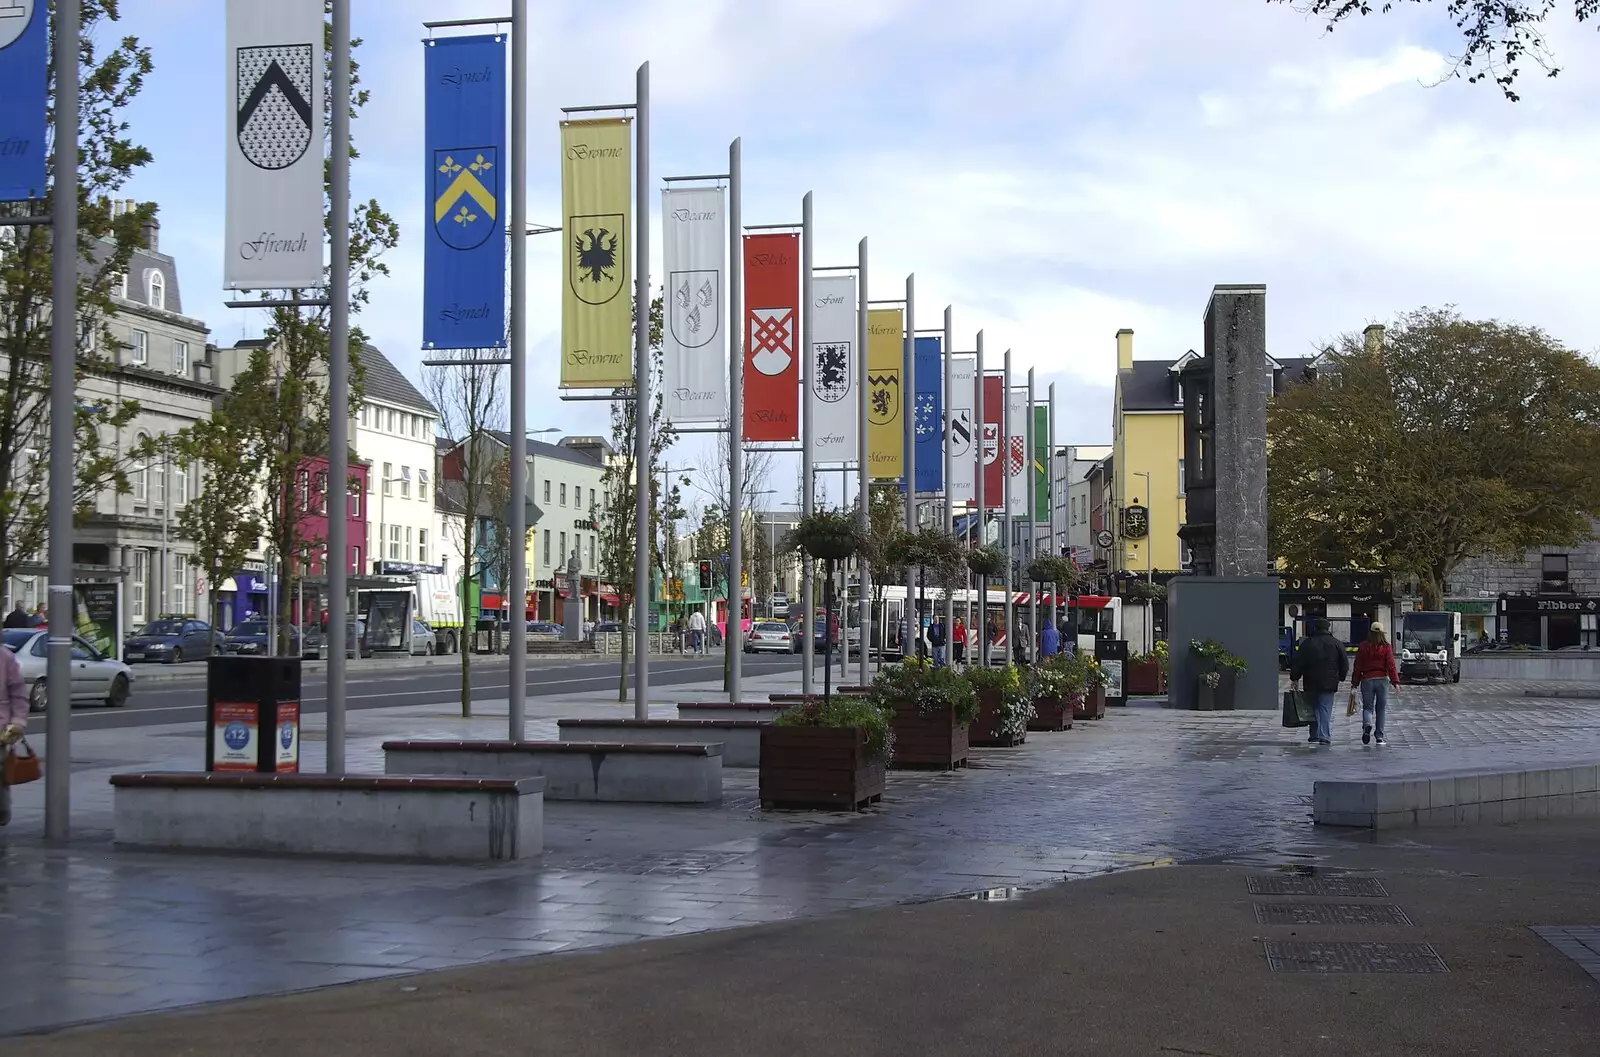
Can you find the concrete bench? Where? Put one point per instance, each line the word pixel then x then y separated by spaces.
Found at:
pixel 369 816
pixel 760 711
pixel 740 738
pixel 647 774
pixel 1460 798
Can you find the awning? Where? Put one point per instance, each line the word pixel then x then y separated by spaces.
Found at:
pixel 610 599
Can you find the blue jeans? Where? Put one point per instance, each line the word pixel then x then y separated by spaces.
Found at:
pixel 1374 698
pixel 938 656
pixel 1324 702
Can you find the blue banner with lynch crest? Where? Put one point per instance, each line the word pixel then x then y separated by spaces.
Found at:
pixel 929 422
pixel 464 255
pixel 24 55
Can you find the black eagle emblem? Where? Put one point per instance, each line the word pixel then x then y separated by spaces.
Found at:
pixel 597 254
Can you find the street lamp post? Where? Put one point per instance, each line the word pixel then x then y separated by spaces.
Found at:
pixel 1149 575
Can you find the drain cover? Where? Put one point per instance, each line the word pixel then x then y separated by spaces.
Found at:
pixel 1354 958
pixel 1330 914
pixel 1302 885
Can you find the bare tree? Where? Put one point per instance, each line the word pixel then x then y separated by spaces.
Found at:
pixel 470 397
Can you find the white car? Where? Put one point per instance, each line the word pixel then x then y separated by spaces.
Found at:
pixel 767 636
pixel 95 677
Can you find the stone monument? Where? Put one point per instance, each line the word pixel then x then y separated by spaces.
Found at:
pixel 572 609
pixel 1232 595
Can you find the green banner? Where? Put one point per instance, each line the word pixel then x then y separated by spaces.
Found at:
pixel 1041 462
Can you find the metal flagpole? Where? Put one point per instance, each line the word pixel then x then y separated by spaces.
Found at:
pixel 642 405
pixel 980 624
pixel 808 484
pixel 517 690
pixel 1033 529
pixel 908 432
pixel 1050 491
pixel 1006 528
pixel 731 638
pixel 63 360
pixel 338 383
pixel 949 463
pixel 864 473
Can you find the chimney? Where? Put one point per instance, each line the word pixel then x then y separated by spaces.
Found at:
pixel 1124 350
pixel 1373 339
pixel 152 234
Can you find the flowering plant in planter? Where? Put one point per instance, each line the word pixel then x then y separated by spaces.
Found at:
pixel 986 560
pixel 1012 698
pixel 844 712
pixel 1058 677
pixel 828 534
pixel 917 682
pixel 1215 656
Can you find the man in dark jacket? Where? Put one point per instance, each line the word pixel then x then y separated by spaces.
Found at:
pixel 18 618
pixel 1320 660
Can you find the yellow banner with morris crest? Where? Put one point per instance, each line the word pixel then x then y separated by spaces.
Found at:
pixel 885 393
pixel 596 302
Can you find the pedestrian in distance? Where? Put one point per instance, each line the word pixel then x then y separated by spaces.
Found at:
pixel 1320 660
pixel 1022 642
pixel 697 631
pixel 1049 641
pixel 40 617
pixel 1373 674
pixel 958 640
pixel 936 640
pixel 13 717
pixel 18 618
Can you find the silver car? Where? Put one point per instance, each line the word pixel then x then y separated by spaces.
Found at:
pixel 767 636
pixel 95 677
pixel 422 640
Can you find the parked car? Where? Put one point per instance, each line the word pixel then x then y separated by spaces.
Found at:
pixel 544 629
pixel 250 639
pixel 768 636
pixel 95 677
pixel 171 640
pixel 819 639
pixel 355 641
pixel 422 640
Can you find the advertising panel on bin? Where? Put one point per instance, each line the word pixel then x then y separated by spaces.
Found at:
pixel 234 732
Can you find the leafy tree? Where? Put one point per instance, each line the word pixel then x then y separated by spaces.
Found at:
pixel 471 399
pixel 1497 34
pixel 108 158
pixel 1453 438
pixel 224 531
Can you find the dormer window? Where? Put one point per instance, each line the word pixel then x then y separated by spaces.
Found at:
pixel 156 287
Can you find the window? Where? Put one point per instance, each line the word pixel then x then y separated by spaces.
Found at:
pixel 88 335
pixel 422 546
pixel 180 579
pixel 364 413
pixel 416 425
pixel 563 495
pixel 321 496
pixel 592 503
pixel 388 478
pixel 394 542
pixel 561 555
pixel 180 485
pixel 140 342
pixel 408 543
pixel 156 287
pixel 1553 572
pixel 590 564
pixel 122 285
pixel 547 491
pixel 180 358
pixel 1181 485
pixel 141 577
pixel 547 547
pixel 355 498
pixel 405 482
pixel 422 485
pixel 303 484
pixel 355 559
pixel 139 476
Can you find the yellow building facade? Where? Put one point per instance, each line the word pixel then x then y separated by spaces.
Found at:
pixel 1147 460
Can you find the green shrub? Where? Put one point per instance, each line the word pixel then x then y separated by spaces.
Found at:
pixel 844 711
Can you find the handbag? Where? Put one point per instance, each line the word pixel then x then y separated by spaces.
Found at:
pixel 1297 712
pixel 22 764
pixel 1352 704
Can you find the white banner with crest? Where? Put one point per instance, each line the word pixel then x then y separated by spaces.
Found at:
pixel 694 345
pixel 835 364
pixel 963 431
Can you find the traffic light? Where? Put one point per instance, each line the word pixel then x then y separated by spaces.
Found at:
pixel 705 575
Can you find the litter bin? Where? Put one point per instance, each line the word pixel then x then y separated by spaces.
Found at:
pixel 1113 657
pixel 253 714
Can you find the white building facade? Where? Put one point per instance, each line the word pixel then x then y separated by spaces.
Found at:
pixel 395 431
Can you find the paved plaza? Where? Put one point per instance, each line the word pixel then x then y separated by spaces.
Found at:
pixel 109 932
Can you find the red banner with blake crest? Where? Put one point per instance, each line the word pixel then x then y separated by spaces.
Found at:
pixel 771 310
pixel 994 481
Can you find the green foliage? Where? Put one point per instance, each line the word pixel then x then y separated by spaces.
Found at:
pixel 1217 654
pixel 1052 569
pixel 1141 592
pixel 223 529
pixel 1058 677
pixel 825 534
pixel 935 554
pixel 986 560
pixel 108 82
pixel 929 688
pixel 844 711
pixel 1158 654
pixel 1456 438
pixel 1015 694
pixel 1498 34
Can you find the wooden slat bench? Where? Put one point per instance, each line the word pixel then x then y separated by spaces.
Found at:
pixel 761 711
pixel 790 698
pixel 740 738
pixel 361 816
pixel 649 774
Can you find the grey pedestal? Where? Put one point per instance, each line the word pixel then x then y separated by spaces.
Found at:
pixel 1241 612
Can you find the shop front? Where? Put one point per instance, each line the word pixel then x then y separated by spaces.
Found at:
pixel 1350 601
pixel 1549 622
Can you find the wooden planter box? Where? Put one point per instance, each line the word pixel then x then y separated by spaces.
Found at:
pixel 1053 713
pixel 1090 705
pixel 1145 678
pixel 986 728
pixel 825 767
pixel 934 740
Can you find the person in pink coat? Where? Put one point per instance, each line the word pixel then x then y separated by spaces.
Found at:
pixel 13 716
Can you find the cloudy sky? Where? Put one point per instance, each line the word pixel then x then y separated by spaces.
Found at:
pixel 1054 170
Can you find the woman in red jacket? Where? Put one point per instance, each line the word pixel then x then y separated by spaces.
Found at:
pixel 1373 673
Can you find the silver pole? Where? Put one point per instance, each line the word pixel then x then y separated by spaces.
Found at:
pixel 338 387
pixel 807 483
pixel 642 437
pixel 63 361
pixel 1050 490
pixel 166 505
pixel 949 464
pixel 1033 529
pixel 517 602
pixel 979 626
pixel 908 433
pixel 864 473
pixel 731 639
pixel 1007 542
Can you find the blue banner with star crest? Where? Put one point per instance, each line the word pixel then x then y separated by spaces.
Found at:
pixel 464 251
pixel 929 422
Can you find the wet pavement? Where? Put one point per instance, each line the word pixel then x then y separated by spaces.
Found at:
pixel 109 932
